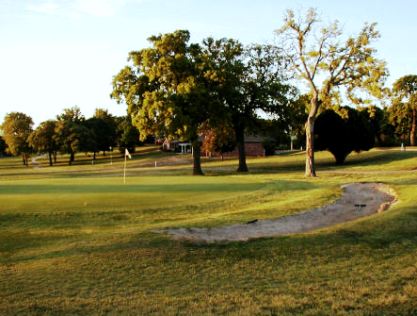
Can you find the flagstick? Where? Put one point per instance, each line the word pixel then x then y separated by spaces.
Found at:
pixel 124 171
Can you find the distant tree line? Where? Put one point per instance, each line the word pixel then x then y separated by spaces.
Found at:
pixel 69 133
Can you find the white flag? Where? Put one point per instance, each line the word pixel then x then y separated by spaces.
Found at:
pixel 127 154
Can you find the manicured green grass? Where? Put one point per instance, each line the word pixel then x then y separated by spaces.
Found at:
pixel 76 240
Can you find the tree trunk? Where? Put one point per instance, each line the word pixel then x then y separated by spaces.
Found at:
pixel 413 129
pixel 50 158
pixel 310 167
pixel 55 154
pixel 240 139
pixel 197 171
pixel 310 170
pixel 24 159
pixel 94 155
pixel 72 158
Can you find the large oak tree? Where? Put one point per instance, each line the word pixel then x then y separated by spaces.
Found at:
pixel 247 80
pixel 165 90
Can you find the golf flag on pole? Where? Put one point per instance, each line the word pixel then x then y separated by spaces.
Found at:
pixel 127 154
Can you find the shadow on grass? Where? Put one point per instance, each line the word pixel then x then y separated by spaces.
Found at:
pixel 398 233
pixel 72 224
pixel 324 164
pixel 173 165
pixel 192 188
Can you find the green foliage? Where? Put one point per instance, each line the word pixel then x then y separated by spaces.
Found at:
pixel 3 147
pixel 400 117
pixel 71 133
pixel 350 63
pixel 380 126
pixel 342 134
pixel 289 124
pixel 43 139
pixel 296 115
pixel 165 90
pixel 246 81
pixel 16 129
pixel 102 128
pixel 127 135
pixel 403 111
pixel 405 87
pixel 107 129
pixel 161 87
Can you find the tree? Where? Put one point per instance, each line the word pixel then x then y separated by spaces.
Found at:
pixel 378 119
pixel 286 128
pixel 387 135
pixel 94 127
pixel 166 91
pixel 127 135
pixel 71 134
pixel 343 133
pixel 330 68
pixel 220 139
pixel 43 139
pixel 400 117
pixel 405 104
pixel 3 147
pixel 246 80
pixel 102 127
pixel 16 128
pixel 106 128
pixel 296 118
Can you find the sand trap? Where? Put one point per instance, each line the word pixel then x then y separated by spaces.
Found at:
pixel 357 200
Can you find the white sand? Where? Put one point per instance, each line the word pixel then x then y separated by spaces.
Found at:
pixel 376 197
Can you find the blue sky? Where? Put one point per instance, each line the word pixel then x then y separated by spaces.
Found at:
pixel 60 53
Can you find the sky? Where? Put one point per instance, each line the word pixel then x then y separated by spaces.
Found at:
pixel 56 54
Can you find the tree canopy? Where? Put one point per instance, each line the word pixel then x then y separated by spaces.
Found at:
pixel 16 129
pixel 71 133
pixel 404 106
pixel 246 80
pixel 127 135
pixel 166 90
pixel 343 132
pixel 3 147
pixel 43 139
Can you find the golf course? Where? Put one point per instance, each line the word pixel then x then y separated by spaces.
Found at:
pixel 76 240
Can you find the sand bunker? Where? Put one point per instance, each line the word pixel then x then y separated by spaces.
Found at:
pixel 357 200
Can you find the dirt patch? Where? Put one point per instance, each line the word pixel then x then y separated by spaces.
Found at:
pixel 357 200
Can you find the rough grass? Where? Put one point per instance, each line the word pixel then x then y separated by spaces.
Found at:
pixel 75 240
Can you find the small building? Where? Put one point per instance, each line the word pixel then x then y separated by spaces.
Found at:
pixel 177 146
pixel 253 147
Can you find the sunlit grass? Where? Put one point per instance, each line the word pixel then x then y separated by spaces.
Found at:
pixel 76 240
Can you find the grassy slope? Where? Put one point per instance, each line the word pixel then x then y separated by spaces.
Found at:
pixel 75 240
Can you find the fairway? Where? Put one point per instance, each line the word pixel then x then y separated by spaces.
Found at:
pixel 76 240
